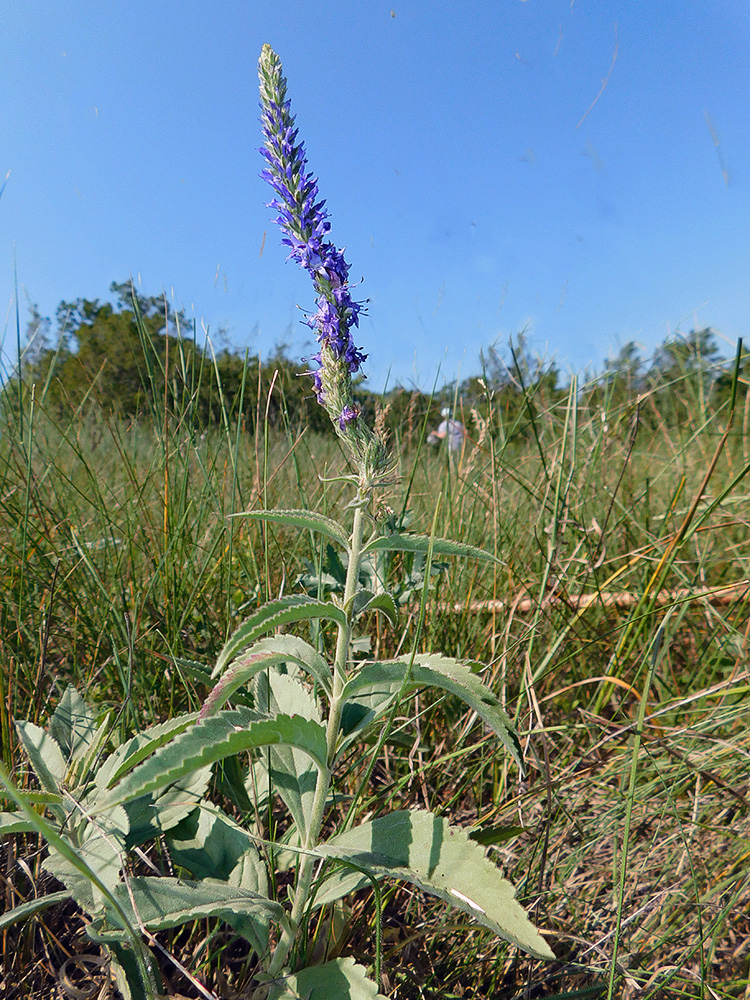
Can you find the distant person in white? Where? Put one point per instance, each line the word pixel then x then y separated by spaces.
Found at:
pixel 453 430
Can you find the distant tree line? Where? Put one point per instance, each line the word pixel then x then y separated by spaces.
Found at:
pixel 135 357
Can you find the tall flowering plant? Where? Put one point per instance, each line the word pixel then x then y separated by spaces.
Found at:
pixel 283 717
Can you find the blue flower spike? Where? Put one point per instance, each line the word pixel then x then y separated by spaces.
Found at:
pixel 303 220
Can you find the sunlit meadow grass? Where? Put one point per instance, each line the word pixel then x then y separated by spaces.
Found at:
pixel 119 559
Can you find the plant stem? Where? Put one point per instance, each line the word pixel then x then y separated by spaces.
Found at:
pixel 307 861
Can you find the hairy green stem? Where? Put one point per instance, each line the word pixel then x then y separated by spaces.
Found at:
pixel 307 862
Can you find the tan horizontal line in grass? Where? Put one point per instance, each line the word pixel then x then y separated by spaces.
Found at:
pixel 618 599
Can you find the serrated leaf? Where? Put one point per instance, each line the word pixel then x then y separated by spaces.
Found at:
pixel 237 675
pixel 202 674
pixel 100 848
pixel 196 670
pixel 220 736
pixel 151 815
pixel 62 846
pixel 45 755
pixel 211 845
pixel 140 746
pixel 284 611
pixel 100 843
pixel 38 798
pixel 364 601
pixel 422 849
pixel 293 775
pixel 73 723
pixel 449 675
pixel 85 755
pixel 14 823
pixel 273 651
pixel 302 519
pixel 169 902
pixel 296 650
pixel 341 979
pixel 421 543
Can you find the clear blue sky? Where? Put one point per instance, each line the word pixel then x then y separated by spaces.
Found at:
pixel 474 193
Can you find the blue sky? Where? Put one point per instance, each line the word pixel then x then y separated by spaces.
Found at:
pixel 479 176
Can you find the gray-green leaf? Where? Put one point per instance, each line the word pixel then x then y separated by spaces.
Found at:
pixel 218 737
pixel 449 675
pixel 421 543
pixel 44 754
pixel 14 823
pixel 296 650
pixel 421 848
pixel 364 601
pixel 284 611
pixel 169 902
pixel 25 910
pixel 341 979
pixel 72 723
pixel 293 775
pixel 302 519
pixel 139 747
pixel 211 845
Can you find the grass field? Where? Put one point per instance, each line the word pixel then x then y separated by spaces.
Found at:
pixel 615 629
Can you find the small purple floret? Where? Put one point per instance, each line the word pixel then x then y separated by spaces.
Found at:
pixel 348 414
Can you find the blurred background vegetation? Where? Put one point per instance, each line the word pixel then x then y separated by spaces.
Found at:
pixel 124 355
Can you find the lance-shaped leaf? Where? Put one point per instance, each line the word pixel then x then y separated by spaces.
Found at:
pixel 86 756
pixel 46 758
pixel 220 736
pixel 151 815
pixel 449 675
pixel 284 611
pixel 169 902
pixel 398 542
pixel 422 849
pixel 302 519
pixel 61 845
pixel 242 670
pixel 275 649
pixel 73 723
pixel 14 823
pixel 364 601
pixel 141 746
pixel 293 775
pixel 341 979
pixel 296 650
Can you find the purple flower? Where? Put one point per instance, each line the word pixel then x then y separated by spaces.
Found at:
pixel 348 414
pixel 303 220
